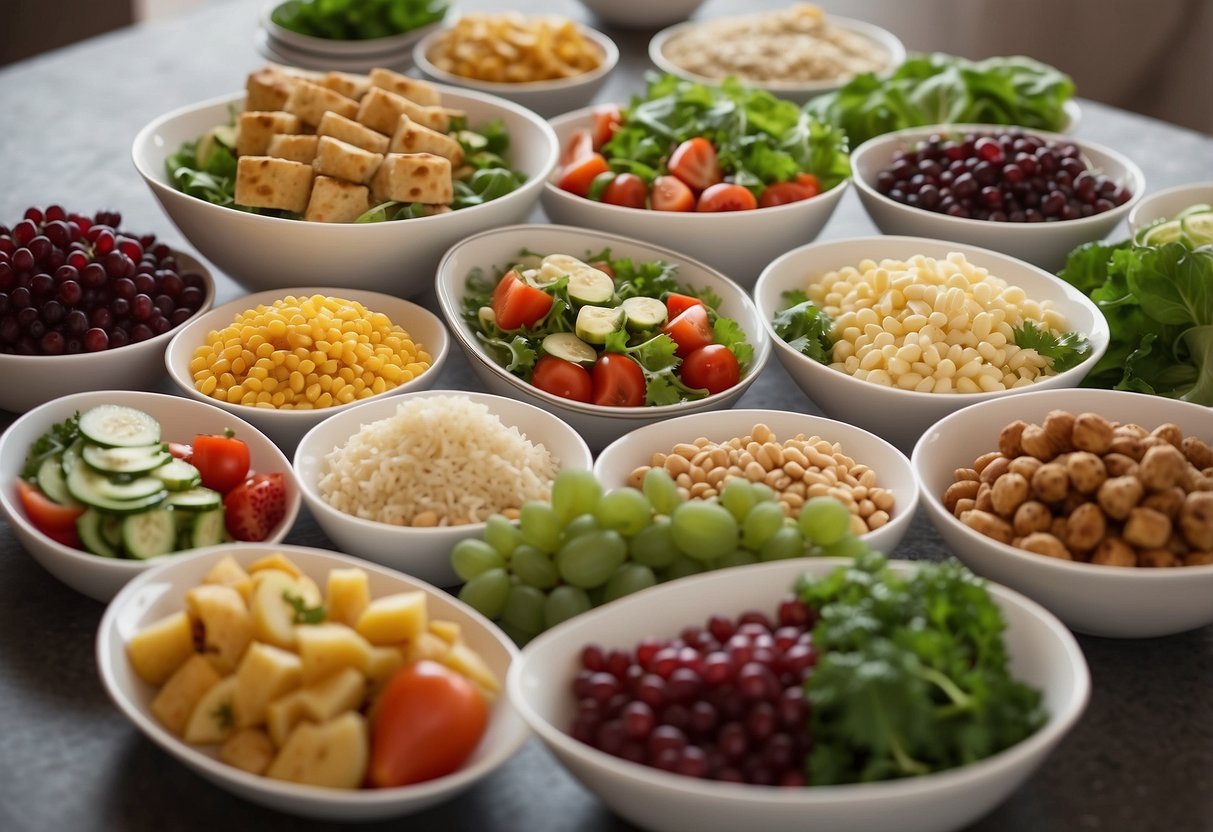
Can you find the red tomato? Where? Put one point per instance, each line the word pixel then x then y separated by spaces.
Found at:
pixel 68 537
pixel 781 193
pixel 808 180
pixel 694 162
pixel 676 304
pixel 517 303
pixel 428 721
pixel 690 330
pixel 580 145
pixel 579 174
pixel 725 197
pixel 628 190
pixel 221 460
pixel 47 516
pixel 605 120
pixel 671 194
pixel 252 509
pixel 562 378
pixel 713 368
pixel 618 381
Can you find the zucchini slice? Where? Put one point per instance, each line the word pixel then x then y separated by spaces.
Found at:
pixel 98 491
pixel 595 323
pixel 51 483
pixel 149 534
pixel 644 313
pixel 115 426
pixel 92 536
pixel 195 499
pixel 568 346
pixel 586 283
pixel 178 475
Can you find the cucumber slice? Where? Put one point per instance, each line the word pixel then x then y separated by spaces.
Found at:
pixel 1163 232
pixel 595 323
pixel 98 491
pixel 223 134
pixel 195 499
pixel 50 481
pixel 644 313
pixel 209 529
pixel 111 530
pixel 568 346
pixel 1198 227
pixel 149 534
pixel 1198 208
pixel 92 537
pixel 116 426
pixel 138 460
pixel 177 475
pixel 487 317
pixel 71 456
pixel 586 283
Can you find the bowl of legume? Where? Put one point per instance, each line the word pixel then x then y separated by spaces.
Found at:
pixel 894 333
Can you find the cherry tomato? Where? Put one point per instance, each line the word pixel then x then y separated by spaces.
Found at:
pixel 428 721
pixel 713 368
pixel 562 378
pixel 781 193
pixel 605 120
pixel 725 197
pixel 180 450
pixel 628 190
pixel 695 163
pixel 580 145
pixel 671 194
pixel 47 515
pixel 221 460
pixel 252 509
pixel 579 174
pixel 690 330
pixel 516 303
pixel 618 381
pixel 676 304
pixel 808 180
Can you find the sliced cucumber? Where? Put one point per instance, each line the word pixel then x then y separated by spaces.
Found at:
pixel 116 426
pixel 209 529
pixel 111 530
pixel 1163 232
pixel 92 537
pixel 223 134
pixel 1198 227
pixel 50 481
pixel 149 534
pixel 71 456
pixel 586 283
pixel 568 346
pixel 595 323
pixel 177 475
pixel 487 317
pixel 196 499
pixel 644 313
pixel 98 491
pixel 1198 208
pixel 137 460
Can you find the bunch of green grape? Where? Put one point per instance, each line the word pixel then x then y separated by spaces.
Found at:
pixel 587 547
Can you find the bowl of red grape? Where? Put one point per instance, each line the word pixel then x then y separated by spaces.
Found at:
pixel 1031 194
pixel 74 289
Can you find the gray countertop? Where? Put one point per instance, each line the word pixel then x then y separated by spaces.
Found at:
pixel 1140 759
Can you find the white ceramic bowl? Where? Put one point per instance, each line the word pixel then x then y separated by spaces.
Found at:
pixel 422 552
pixel 1045 244
pixel 1164 205
pixel 736 243
pixel 642 14
pixel 286 427
pixel 162 591
pixel 180 420
pixel 1042 653
pixel 893 472
pixel 1101 600
pixel 368 50
pixel 798 91
pixel 31 380
pixel 398 257
pixel 900 416
pixel 597 424
pixel 548 98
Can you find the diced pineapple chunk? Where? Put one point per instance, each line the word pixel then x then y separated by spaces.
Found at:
pixel 334 754
pixel 227 625
pixel 327 648
pixel 394 618
pixel 266 673
pixel 161 647
pixel 212 720
pixel 347 594
pixel 176 701
pixel 249 749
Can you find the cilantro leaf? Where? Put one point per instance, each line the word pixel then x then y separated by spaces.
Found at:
pixel 805 327
pixel 1064 352
pixel 51 444
pixel 728 332
pixel 303 613
pixel 517 354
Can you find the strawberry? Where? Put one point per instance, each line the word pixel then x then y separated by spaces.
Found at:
pixel 253 508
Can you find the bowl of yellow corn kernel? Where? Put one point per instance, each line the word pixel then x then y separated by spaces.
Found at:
pixel 286 359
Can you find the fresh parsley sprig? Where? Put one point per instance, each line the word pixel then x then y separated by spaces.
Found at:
pixel 51 444
pixel 805 327
pixel 1064 351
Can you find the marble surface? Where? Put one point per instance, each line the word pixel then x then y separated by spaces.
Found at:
pixel 1140 759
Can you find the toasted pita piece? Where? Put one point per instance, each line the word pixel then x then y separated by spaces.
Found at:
pixel 296 148
pixel 381 110
pixel 422 92
pixel 267 89
pixel 411 137
pixel 351 132
pixel 311 101
pixel 414 177
pixel 351 86
pixel 254 129
pixel 336 201
pixel 266 182
pixel 341 160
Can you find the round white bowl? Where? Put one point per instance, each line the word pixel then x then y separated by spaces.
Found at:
pixel 31 380
pixel 1164 205
pixel 900 416
pixel 597 424
pixel 548 98
pixel 1042 654
pixel 368 50
pixel 893 472
pixel 1046 244
pixel 180 419
pixel 398 257
pixel 277 52
pixel 642 14
pixel 737 243
pixel 286 427
pixel 422 552
pixel 798 91
pixel 1111 601
pixel 161 592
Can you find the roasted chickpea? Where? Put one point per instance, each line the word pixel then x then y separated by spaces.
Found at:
pixel 1092 432
pixel 1059 427
pixel 995 469
pixel 1119 465
pixel 1112 551
pixel 1119 495
pixel 1032 516
pixel 1161 467
pixel 1086 471
pixel 1157 558
pixel 1025 466
pixel 1009 439
pixel 1050 483
pixel 1131 446
pixel 990 525
pixel 1009 492
pixel 1169 433
pixel 1198 558
pixel 1146 528
pixel 985 459
pixel 1196 519
pixel 1085 527
pixel 1169 502
pixel 1043 543
pixel 1036 441
pixel 1197 452
pixel 959 490
pixel 965 474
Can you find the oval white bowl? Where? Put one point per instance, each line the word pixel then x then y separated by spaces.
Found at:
pixel 642 14
pixel 368 50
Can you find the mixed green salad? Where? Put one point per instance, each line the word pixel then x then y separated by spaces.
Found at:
pixel 357 19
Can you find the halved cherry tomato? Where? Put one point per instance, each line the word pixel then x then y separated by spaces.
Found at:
pixel 47 515
pixel 781 193
pixel 605 120
pixel 695 163
pixel 580 145
pixel 516 303
pixel 808 180
pixel 579 174
pixel 628 190
pixel 676 304
pixel 562 378
pixel 725 197
pixel 252 509
pixel 221 460
pixel 180 450
pixel 713 368
pixel 618 381
pixel 428 721
pixel 671 194
pixel 690 330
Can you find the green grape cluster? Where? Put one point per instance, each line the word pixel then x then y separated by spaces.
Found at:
pixel 587 547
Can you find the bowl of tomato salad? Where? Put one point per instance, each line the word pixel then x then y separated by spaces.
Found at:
pixel 728 174
pixel 607 332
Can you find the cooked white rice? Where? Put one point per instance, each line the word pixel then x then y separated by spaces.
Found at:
pixel 444 455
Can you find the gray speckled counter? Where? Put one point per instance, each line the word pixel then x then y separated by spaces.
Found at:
pixel 1141 758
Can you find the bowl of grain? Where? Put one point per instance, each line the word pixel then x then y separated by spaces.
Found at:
pixel 400 481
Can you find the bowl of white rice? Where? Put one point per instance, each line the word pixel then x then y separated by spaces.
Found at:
pixel 401 480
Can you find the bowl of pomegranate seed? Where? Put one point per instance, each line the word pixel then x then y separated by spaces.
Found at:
pixel 74 288
pixel 1031 194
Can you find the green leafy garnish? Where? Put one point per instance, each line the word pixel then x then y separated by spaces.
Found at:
pixel 1063 351
pixel 224 716
pixel 658 359
pixel 51 444
pixel 357 19
pixel 303 613
pixel 805 327
pixel 516 353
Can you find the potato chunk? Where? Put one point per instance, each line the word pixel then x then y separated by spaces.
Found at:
pixel 266 673
pixel 212 720
pixel 161 647
pixel 176 701
pixel 393 618
pixel 347 594
pixel 328 648
pixel 334 754
pixel 249 749
pixel 227 626
pixel 227 572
